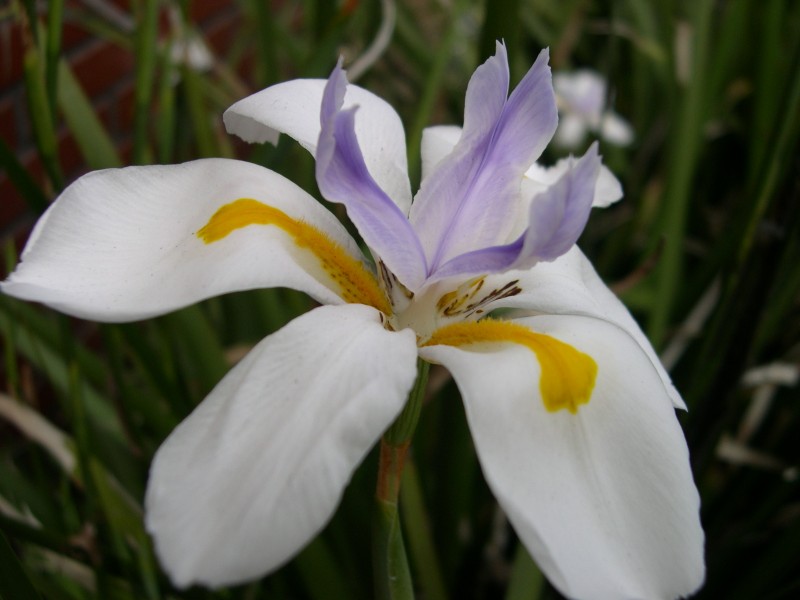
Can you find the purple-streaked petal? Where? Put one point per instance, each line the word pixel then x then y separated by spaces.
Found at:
pixel 468 201
pixel 444 190
pixel 495 259
pixel 557 217
pixel 343 177
pixel 538 178
pixel 292 107
pixel 559 214
pixel 438 141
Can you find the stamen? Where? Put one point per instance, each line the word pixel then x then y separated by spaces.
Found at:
pixel 463 301
pixel 567 375
pixel 354 282
pixel 452 303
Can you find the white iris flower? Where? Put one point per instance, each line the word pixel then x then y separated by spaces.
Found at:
pixel 572 415
pixel 582 98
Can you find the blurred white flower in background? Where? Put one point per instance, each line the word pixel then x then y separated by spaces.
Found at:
pixel 192 51
pixel 581 97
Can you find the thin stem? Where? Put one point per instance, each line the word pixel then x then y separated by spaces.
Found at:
pixel 378 45
pixel 392 575
pixel 390 565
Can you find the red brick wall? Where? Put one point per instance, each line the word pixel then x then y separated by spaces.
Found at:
pixel 106 73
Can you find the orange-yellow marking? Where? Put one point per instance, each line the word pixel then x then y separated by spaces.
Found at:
pixel 355 283
pixel 567 375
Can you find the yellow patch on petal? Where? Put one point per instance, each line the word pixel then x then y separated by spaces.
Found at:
pixel 567 375
pixel 354 282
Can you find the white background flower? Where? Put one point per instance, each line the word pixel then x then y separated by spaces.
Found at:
pixel 582 101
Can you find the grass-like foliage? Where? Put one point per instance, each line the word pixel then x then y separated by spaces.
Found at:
pixel 704 249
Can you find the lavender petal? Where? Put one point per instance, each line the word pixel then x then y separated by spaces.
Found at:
pixel 343 177
pixel 467 202
pixel 495 259
pixel 557 217
pixel 559 214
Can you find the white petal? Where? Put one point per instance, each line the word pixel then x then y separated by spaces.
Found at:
pixel 257 470
pixel 604 498
pixel 538 178
pixel 571 131
pixel 121 244
pixel 608 189
pixel 570 285
pixel 616 130
pixel 582 92
pixel 437 142
pixel 293 108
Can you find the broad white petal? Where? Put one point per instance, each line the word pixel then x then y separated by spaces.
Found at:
pixel 603 498
pixel 122 244
pixel 293 108
pixel 258 468
pixel 570 285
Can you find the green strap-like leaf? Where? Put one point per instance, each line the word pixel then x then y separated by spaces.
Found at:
pixel 96 146
pixel 14 581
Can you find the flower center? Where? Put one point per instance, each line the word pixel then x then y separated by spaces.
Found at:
pixel 345 274
pixel 440 304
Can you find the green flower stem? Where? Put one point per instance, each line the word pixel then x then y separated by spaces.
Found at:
pixel 389 562
pixel 390 565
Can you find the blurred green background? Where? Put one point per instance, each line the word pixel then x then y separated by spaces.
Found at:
pixel 704 249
